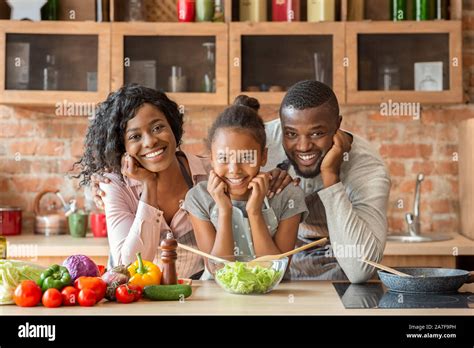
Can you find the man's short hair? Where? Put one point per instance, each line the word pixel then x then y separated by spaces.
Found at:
pixel 310 94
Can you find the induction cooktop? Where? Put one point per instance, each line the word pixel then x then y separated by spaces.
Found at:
pixel 375 295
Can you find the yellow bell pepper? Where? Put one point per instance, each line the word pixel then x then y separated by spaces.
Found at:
pixel 144 273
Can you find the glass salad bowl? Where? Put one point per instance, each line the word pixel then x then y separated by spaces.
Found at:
pixel 240 275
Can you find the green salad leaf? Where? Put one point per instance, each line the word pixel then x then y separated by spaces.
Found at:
pixel 241 278
pixel 12 273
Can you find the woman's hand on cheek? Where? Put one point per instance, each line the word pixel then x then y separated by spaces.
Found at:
pixel 217 188
pixel 259 186
pixel 131 169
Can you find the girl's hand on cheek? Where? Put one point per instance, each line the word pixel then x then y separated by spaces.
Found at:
pixel 217 188
pixel 133 170
pixel 259 186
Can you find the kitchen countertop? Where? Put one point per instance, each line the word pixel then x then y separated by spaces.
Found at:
pixel 65 245
pixel 289 298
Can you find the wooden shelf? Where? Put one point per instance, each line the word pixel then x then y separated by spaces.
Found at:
pixel 193 31
pixel 265 64
pixel 72 54
pixel 235 69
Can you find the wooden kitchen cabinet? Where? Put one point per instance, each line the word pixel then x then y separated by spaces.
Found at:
pixel 382 57
pixel 81 58
pixel 267 58
pixel 146 53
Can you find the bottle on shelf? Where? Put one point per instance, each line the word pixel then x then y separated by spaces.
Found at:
pixel 209 79
pixel 355 10
pixel 135 11
pixel 421 10
pixel 253 10
pixel 102 11
pixel 205 10
pixel 286 10
pixel 176 82
pixel 219 14
pixel 321 10
pixel 398 10
pixel 50 11
pixel 50 74
pixel 441 9
pixel 186 10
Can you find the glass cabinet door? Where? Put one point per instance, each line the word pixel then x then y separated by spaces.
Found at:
pixel 411 62
pixel 51 62
pixel 276 62
pixel 177 64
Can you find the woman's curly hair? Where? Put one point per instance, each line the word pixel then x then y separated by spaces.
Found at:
pixel 105 139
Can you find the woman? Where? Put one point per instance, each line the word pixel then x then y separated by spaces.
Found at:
pixel 136 135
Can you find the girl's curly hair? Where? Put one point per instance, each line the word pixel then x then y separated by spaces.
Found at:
pixel 105 139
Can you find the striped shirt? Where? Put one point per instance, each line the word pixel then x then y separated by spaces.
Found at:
pixel 134 226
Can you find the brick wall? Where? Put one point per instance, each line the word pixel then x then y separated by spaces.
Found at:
pixel 36 149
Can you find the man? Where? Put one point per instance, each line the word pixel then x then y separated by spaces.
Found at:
pixel 345 181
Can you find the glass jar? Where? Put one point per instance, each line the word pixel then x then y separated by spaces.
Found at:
pixel 389 76
pixel 50 74
pixel 177 81
pixel 209 78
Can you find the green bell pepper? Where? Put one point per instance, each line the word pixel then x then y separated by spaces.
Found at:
pixel 54 277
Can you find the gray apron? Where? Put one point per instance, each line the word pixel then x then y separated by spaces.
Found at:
pixel 243 242
pixel 318 263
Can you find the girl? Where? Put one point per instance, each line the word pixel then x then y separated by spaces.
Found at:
pixel 229 212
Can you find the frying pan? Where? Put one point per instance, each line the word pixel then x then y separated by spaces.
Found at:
pixel 425 280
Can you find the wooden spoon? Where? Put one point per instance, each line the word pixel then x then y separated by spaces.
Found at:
pixel 386 268
pixel 291 252
pixel 202 253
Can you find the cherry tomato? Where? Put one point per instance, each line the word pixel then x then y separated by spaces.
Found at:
pixel 52 298
pixel 125 294
pixel 137 291
pixel 27 294
pixel 86 297
pixel 69 294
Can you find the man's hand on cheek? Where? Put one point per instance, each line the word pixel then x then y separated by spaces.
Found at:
pixel 331 165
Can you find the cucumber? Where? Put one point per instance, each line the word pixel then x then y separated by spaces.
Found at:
pixel 167 292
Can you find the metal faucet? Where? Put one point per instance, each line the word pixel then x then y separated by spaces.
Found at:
pixel 413 220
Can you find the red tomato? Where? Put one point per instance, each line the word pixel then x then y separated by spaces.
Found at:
pixel 137 291
pixel 86 297
pixel 27 294
pixel 52 298
pixel 92 283
pixel 101 270
pixel 124 294
pixel 69 294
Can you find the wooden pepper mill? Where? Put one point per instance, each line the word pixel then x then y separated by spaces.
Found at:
pixel 168 258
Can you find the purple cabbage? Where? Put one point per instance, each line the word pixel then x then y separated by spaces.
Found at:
pixel 81 266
